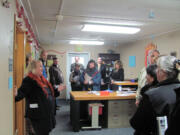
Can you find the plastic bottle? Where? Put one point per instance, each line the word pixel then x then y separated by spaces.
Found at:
pixel 120 88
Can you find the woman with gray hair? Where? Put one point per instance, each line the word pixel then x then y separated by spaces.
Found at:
pixel 157 101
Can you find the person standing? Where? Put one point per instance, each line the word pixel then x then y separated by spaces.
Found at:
pixel 29 128
pixel 74 78
pixel 91 78
pixel 102 70
pixel 77 62
pixel 151 78
pixel 43 58
pixel 56 77
pixel 39 95
pixel 152 58
pixel 117 74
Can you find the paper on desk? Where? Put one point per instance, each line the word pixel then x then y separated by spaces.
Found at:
pixel 121 81
pixel 123 93
pixel 94 92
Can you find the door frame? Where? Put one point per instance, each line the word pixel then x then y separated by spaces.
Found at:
pixel 18 108
pixel 67 63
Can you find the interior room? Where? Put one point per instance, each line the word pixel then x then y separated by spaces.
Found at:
pixel 114 30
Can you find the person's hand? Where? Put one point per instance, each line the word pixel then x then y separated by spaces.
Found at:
pixel 15 91
pixel 112 81
pixel 137 103
pixel 85 82
pixel 61 87
pixel 91 82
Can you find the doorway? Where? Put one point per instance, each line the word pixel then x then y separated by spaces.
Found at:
pixel 84 58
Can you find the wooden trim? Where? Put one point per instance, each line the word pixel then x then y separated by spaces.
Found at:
pixel 14 80
pixel 126 83
pixel 18 75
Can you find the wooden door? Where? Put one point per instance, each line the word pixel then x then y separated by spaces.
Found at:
pixel 18 74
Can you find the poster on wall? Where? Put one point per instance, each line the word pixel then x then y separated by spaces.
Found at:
pixel 10 83
pixel 132 61
pixel 50 59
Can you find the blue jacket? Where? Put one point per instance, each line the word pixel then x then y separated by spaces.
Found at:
pixel 44 72
pixel 96 81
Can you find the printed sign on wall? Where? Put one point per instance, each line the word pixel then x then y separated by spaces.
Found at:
pixel 132 61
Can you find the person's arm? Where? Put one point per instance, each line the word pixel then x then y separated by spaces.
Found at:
pixel 141 84
pixel 52 78
pixel 72 67
pixel 97 79
pixel 144 118
pixel 82 78
pixel 71 77
pixel 82 67
pixel 24 90
pixel 121 75
pixel 103 72
pixel 111 76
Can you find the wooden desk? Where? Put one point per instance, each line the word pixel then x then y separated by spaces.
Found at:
pixel 82 96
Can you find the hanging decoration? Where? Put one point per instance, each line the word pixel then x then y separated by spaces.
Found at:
pixel 23 22
pixel 61 53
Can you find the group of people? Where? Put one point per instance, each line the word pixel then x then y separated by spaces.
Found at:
pixel 94 77
pixel 157 96
pixel 158 91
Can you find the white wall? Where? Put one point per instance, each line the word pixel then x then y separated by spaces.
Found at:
pixel 165 44
pixel 6 45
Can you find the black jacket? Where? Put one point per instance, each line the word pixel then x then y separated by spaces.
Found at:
pixel 102 70
pixel 158 101
pixel 147 87
pixel 117 75
pixel 174 120
pixel 38 106
pixel 56 76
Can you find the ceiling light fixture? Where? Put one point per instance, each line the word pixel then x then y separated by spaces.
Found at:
pixel 120 23
pixel 86 42
pixel 110 29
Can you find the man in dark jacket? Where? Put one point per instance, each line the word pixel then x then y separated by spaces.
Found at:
pixel 102 70
pixel 174 120
pixel 76 84
pixel 56 76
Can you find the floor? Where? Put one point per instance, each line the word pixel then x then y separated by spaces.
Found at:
pixel 63 126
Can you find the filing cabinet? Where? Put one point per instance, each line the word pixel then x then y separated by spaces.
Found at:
pixel 119 113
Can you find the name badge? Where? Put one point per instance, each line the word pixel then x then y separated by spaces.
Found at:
pixel 33 105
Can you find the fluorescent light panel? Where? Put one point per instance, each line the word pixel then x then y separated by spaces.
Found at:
pixel 86 42
pixel 110 29
pixel 121 22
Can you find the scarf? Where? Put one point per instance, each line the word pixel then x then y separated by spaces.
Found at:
pixel 42 82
